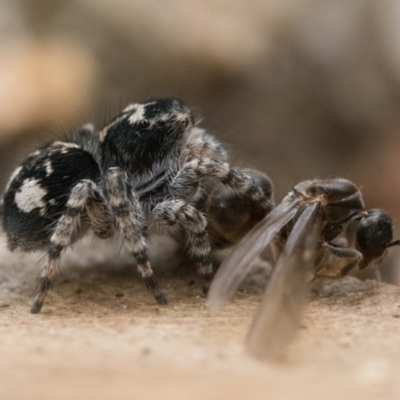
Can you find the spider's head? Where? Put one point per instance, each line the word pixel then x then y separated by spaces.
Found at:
pixel 165 118
pixel 145 133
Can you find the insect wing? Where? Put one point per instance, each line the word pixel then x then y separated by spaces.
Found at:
pixel 237 265
pixel 279 315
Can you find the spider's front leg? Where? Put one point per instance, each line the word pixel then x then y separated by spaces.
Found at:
pixel 131 222
pixel 230 214
pixel 233 201
pixel 176 214
pixel 187 181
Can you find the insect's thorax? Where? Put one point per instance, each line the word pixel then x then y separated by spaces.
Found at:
pixel 339 199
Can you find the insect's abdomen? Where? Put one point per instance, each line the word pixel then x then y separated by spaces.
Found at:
pixel 38 191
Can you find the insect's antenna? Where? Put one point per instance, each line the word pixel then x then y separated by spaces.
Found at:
pixel 395 243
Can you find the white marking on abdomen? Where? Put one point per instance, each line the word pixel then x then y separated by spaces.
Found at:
pixel 49 168
pixel 30 195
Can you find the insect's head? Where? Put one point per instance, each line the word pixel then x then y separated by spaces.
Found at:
pixel 374 236
pixel 144 133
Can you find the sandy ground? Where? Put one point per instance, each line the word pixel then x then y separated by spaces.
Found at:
pixel 100 336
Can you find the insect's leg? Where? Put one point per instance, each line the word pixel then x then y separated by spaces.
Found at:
pixel 63 235
pixel 275 249
pixel 352 256
pixel 176 214
pixel 130 220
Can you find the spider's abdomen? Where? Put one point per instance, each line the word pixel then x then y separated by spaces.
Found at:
pixel 38 191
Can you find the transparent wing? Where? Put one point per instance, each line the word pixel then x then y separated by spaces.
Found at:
pixel 279 315
pixel 237 265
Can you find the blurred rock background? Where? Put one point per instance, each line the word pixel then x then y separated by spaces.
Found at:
pixel 299 88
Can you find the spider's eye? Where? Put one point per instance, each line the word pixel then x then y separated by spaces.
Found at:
pixel 144 123
pixel 185 122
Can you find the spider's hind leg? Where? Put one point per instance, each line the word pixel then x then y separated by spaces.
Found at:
pixel 84 195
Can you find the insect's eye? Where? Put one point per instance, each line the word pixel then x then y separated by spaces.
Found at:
pixel 144 123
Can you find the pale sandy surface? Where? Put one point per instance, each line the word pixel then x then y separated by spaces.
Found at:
pixel 100 336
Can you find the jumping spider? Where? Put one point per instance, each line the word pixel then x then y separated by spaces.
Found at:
pixel 147 164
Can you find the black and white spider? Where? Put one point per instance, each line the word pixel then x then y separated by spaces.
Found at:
pixel 146 164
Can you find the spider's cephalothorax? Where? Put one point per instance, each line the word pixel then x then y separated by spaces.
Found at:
pixel 144 135
pixel 146 164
